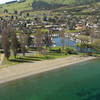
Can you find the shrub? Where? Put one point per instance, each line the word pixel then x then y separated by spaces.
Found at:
pixel 70 50
pixel 57 50
pixel 89 53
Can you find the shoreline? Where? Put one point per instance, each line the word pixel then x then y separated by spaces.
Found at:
pixel 28 69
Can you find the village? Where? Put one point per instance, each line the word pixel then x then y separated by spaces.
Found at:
pixel 49 49
pixel 25 33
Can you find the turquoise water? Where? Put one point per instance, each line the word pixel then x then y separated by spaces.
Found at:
pixel 76 82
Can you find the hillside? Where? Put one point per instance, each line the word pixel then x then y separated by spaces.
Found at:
pixel 68 2
pixel 27 5
pixel 43 4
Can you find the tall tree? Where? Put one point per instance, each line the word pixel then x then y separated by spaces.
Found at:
pixel 96 45
pixel 5 43
pixel 22 42
pixel 62 37
pixel 38 40
pixel 13 42
pixel 47 39
pixel 84 42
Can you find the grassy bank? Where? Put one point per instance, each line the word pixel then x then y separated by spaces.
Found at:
pixel 33 58
pixel 52 53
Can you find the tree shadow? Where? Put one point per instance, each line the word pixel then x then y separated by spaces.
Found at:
pixel 30 59
pixel 23 60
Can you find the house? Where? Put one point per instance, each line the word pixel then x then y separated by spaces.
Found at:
pixel 80 27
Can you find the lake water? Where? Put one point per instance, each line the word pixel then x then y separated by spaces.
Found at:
pixel 76 82
pixel 67 42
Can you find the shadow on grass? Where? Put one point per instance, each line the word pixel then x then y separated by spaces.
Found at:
pixel 30 59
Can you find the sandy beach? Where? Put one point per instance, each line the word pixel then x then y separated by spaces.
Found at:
pixel 28 69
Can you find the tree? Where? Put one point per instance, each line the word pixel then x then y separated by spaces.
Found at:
pixel 47 39
pixel 12 17
pixel 84 42
pixel 45 18
pixel 21 13
pixel 27 15
pixel 5 11
pixel 22 42
pixel 92 34
pixel 28 40
pixel 5 43
pixel 38 40
pixel 13 42
pixel 62 37
pixel 16 12
pixel 96 45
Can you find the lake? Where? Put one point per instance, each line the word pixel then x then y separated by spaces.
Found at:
pixel 76 82
pixel 67 42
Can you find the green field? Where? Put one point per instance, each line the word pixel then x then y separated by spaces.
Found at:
pixel 17 6
pixel 27 5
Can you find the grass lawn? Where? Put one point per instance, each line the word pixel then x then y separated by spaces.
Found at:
pixel 49 56
pixel 29 59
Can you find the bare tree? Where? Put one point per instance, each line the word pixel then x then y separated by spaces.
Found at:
pixel 96 45
pixel 84 42
pixel 38 40
pixel 13 42
pixel 62 37
pixel 5 43
pixel 22 42
pixel 47 39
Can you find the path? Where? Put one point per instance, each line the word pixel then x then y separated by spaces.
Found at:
pixel 27 69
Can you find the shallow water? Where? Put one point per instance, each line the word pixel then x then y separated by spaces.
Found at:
pixel 76 82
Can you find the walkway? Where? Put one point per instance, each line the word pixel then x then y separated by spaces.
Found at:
pixel 27 69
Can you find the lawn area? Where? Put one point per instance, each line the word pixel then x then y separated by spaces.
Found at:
pixel 29 59
pixel 49 56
